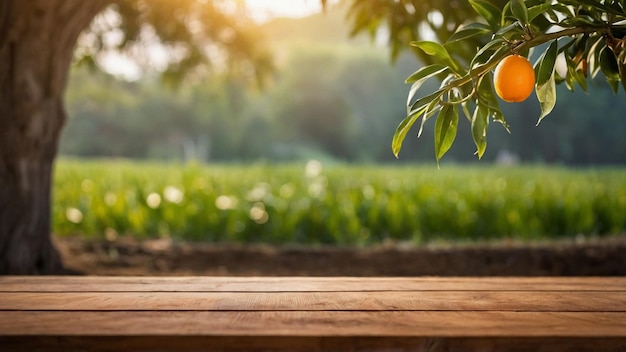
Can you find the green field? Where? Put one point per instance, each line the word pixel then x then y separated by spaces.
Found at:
pixel 338 204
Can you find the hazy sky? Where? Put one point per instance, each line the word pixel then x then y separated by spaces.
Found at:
pixel 264 9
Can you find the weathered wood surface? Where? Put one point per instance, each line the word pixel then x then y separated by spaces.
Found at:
pixel 304 284
pixel 226 313
pixel 545 301
pixel 314 323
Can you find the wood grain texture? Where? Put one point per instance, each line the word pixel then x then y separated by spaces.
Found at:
pixel 312 314
pixel 305 284
pixel 543 301
pixel 318 323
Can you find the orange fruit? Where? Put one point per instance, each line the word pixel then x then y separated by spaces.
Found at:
pixel 514 79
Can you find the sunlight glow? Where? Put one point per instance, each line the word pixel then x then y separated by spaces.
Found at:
pixel 157 57
pixel 262 10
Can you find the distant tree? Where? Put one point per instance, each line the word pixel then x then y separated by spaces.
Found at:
pixel 373 90
pixel 308 106
pixel 38 42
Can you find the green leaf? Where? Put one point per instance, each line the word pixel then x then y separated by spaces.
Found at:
pixel 488 11
pixel 614 84
pixel 540 23
pixel 593 57
pixel 575 74
pixel 537 10
pixel 425 72
pixel 487 97
pixel 438 51
pixel 561 10
pixel 510 30
pixel 485 53
pixel 401 131
pixel 424 101
pixel 577 22
pixel 608 64
pixel 546 94
pixel 445 130
pixel 569 83
pixel 423 106
pixel 472 30
pixel 420 77
pixel 519 10
pixel 602 7
pixel 498 117
pixel 492 58
pixel 610 68
pixel 486 92
pixel 554 18
pixel 546 65
pixel 430 111
pixel 480 122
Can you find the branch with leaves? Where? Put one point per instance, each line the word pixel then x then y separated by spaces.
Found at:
pixel 586 35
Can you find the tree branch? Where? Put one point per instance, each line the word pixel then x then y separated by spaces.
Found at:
pixel 488 66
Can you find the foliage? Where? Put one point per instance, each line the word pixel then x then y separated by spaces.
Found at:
pixel 412 20
pixel 587 35
pixel 188 39
pixel 319 203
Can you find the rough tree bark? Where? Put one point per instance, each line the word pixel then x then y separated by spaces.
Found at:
pixel 37 39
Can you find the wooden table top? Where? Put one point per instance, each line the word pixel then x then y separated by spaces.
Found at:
pixel 314 307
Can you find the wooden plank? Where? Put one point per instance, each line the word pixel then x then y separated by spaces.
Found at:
pixel 543 301
pixel 312 314
pixel 305 284
pixel 326 323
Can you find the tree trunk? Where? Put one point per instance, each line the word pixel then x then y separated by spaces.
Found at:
pixel 37 39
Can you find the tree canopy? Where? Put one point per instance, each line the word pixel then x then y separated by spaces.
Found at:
pixel 188 38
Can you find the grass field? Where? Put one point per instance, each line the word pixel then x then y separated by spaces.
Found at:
pixel 338 204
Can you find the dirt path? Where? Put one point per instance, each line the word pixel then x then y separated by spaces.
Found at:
pixel 598 257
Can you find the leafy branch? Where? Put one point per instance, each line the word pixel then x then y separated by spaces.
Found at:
pixel 588 35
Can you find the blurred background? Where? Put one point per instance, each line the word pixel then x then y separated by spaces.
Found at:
pixel 331 96
pixel 306 158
